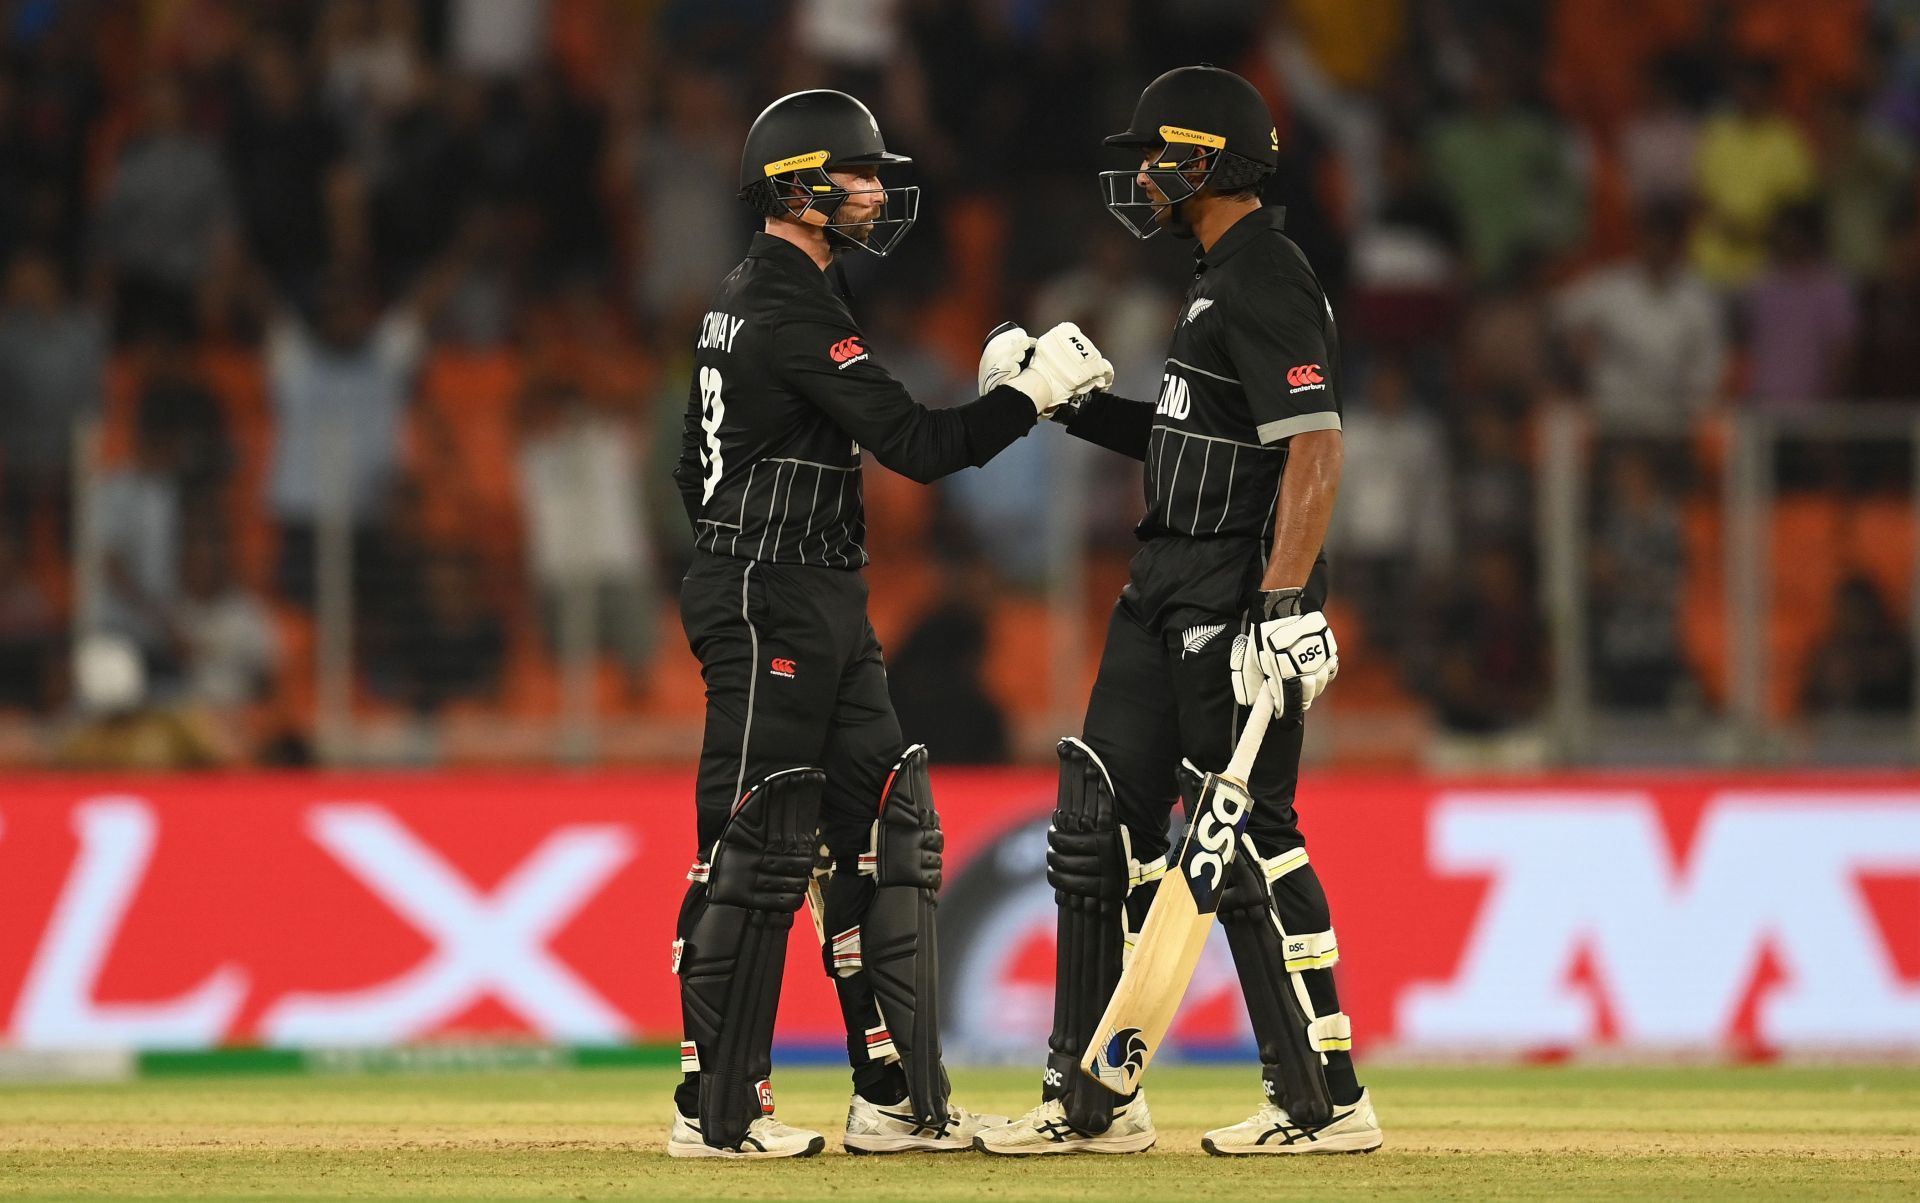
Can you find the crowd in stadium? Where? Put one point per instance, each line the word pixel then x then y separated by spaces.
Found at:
pixel 484 230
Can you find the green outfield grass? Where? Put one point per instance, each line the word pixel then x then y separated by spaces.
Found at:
pixel 1755 1133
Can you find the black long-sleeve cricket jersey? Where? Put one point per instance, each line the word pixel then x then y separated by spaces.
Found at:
pixel 1253 362
pixel 785 393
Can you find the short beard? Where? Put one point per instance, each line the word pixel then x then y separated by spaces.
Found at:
pixel 1169 219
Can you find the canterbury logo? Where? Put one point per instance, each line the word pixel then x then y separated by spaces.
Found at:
pixel 846 350
pixel 1305 376
pixel 1195 638
pixel 781 667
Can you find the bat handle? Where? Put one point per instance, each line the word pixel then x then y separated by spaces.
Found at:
pixel 1244 752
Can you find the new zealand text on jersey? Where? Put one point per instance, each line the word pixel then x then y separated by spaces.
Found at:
pixel 718 330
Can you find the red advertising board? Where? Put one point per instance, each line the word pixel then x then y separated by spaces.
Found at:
pixel 1547 915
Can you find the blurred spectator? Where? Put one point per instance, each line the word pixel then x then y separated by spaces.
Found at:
pixel 370 68
pixel 52 363
pixel 1493 486
pixel 580 496
pixel 435 639
pixel 496 37
pixel 1890 323
pixel 1868 176
pixel 486 299
pixel 444 152
pixel 51 105
pixel 852 38
pixel 1490 671
pixel 225 631
pixel 1504 345
pixel 1406 258
pixel 1660 143
pixel 298 195
pixel 563 173
pixel 135 518
pixel 166 222
pixel 14 177
pixel 119 728
pixel 1637 574
pixel 685 230
pixel 936 675
pixel 1753 162
pixel 1509 174
pixel 1393 529
pixel 1864 663
pixel 174 389
pixel 29 630
pixel 1355 44
pixel 1801 319
pixel 1648 333
pixel 340 390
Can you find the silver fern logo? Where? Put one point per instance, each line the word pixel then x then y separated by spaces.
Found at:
pixel 1195 638
pixel 1199 307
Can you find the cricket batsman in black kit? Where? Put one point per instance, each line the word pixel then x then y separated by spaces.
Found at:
pixel 1242 452
pixel 806 790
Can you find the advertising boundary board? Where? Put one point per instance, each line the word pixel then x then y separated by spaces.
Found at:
pixel 1591 916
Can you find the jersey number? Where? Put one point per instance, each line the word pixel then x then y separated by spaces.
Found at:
pixel 712 412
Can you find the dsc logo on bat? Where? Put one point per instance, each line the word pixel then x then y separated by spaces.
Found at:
pixel 1214 832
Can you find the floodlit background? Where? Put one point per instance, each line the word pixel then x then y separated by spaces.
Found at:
pixel 344 346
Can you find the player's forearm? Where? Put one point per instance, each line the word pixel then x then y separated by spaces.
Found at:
pixel 924 445
pixel 1307 491
pixel 1116 423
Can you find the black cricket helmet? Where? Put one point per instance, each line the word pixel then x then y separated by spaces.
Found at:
pixel 789 151
pixel 1191 119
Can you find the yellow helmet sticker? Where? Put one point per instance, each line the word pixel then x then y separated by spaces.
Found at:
pixel 1192 137
pixel 1273 137
pixel 814 158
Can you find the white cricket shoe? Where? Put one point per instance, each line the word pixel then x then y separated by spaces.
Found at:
pixel 874 1128
pixel 1353 1129
pixel 1045 1130
pixel 766 1138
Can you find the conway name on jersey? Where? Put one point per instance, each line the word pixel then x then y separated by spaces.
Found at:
pixel 785 393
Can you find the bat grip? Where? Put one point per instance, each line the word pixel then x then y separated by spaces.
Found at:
pixel 1244 752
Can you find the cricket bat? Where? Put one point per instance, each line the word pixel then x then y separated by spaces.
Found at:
pixel 1155 979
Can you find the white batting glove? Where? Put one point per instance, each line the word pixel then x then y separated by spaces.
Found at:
pixel 1295 652
pixel 1005 355
pixel 1065 364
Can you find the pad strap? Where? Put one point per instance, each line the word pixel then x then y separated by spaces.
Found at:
pixel 1313 950
pixel 1333 1031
